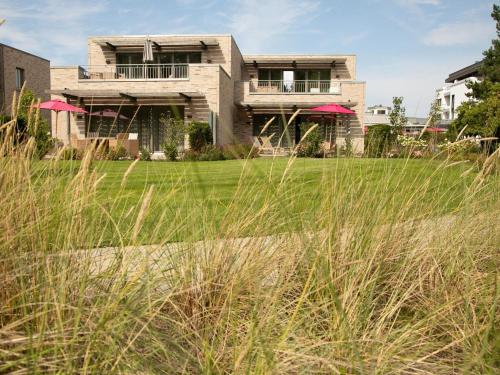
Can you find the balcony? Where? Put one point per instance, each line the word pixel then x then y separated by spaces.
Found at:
pixel 295 87
pixel 134 72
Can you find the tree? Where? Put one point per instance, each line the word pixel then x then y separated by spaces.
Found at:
pixel 481 113
pixel 398 117
pixel 434 112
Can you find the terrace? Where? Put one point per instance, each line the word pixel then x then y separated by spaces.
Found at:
pixel 295 87
pixel 135 72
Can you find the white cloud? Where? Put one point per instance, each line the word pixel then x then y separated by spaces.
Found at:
pixel 462 33
pixel 58 26
pixel 257 24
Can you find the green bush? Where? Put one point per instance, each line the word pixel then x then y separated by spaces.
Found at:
pixel 310 147
pixel 379 140
pixel 144 154
pixel 71 153
pixel 118 153
pixel 239 151
pixel 207 153
pixel 200 135
pixel 170 151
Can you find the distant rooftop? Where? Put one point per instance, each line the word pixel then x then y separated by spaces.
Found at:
pixel 467 72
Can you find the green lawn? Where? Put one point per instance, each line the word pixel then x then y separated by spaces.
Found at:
pixel 192 200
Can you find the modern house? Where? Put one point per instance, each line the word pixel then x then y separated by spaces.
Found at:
pixel 379 115
pixel 206 78
pixel 454 93
pixel 18 67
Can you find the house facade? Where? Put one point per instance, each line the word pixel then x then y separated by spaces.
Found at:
pixel 454 93
pixel 206 78
pixel 18 67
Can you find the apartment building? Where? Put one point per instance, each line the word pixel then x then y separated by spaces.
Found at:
pixel 206 78
pixel 454 93
pixel 18 67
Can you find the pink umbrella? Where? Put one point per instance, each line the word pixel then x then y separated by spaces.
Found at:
pixel 57 106
pixel 109 113
pixel 333 108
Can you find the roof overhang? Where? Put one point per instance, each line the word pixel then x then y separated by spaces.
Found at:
pixel 293 61
pixel 273 107
pixel 112 43
pixel 467 72
pixel 99 96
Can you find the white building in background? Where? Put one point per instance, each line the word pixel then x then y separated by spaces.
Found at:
pixel 454 93
pixel 377 114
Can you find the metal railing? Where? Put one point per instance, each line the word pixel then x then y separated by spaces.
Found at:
pixel 135 71
pixel 295 87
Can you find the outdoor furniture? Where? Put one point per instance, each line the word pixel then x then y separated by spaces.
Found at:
pixel 328 148
pixel 266 146
pixel 129 141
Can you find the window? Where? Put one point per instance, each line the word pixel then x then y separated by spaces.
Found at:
pixel 453 107
pixel 129 58
pixel 178 58
pixel 270 75
pixel 19 78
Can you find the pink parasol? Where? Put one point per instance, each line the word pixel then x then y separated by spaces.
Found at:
pixel 57 106
pixel 333 108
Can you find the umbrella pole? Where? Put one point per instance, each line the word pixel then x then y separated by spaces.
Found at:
pixel 57 116
pixel 68 130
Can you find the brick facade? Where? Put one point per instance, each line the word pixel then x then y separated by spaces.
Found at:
pixel 221 84
pixel 36 76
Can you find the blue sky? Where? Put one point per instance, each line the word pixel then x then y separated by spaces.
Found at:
pixel 404 47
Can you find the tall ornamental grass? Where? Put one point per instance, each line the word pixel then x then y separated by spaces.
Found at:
pixel 373 282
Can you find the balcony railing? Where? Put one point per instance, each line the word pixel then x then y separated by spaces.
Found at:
pixel 295 87
pixel 135 71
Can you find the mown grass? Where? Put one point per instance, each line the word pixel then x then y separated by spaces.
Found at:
pixel 285 267
pixel 211 186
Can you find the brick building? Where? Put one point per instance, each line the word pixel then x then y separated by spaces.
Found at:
pixel 17 67
pixel 206 78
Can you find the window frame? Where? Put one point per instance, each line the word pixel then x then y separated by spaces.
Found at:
pixel 20 78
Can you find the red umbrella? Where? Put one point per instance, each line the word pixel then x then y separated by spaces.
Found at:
pixel 333 108
pixel 57 106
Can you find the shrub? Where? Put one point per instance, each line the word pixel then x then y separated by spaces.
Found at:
pixel 200 135
pixel 207 153
pixel 462 149
pixel 310 147
pixel 239 151
pixel 170 151
pixel 71 153
pixel 144 154
pixel 411 147
pixel 118 153
pixel 379 140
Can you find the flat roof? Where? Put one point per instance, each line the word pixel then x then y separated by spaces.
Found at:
pixel 26 53
pixel 467 72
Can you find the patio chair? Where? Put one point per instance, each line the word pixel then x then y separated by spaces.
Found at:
pixel 266 147
pixel 328 148
pixel 256 143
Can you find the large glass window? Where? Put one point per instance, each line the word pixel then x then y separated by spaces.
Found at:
pixel 178 57
pixel 19 78
pixel 270 74
pixel 129 58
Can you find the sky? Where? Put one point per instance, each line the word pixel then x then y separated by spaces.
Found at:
pixel 404 47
